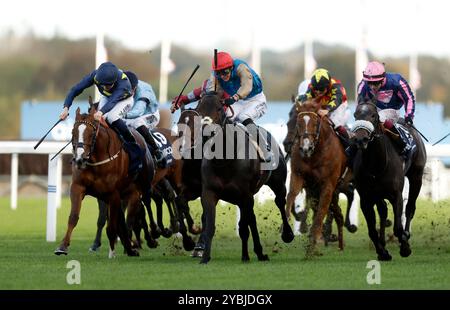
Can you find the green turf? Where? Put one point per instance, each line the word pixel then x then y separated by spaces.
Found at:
pixel 27 260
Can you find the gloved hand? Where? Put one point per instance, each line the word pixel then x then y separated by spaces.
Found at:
pixel 300 98
pixel 229 101
pixel 98 115
pixel 181 100
pixel 64 113
pixel 409 120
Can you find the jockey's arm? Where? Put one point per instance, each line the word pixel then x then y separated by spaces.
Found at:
pixel 336 97
pixel 76 90
pixel 246 78
pixel 407 97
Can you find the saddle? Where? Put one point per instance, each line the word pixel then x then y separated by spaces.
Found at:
pixel 404 142
pixel 264 147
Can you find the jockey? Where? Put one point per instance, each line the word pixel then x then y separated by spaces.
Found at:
pixel 332 97
pixel 144 115
pixel 392 92
pixel 115 101
pixel 244 87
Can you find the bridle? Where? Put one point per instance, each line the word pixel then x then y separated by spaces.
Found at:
pixel 91 145
pixel 315 135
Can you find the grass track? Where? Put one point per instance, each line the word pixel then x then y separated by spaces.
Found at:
pixel 28 262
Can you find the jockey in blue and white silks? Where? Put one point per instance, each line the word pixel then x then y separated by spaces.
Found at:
pixel 115 102
pixel 144 115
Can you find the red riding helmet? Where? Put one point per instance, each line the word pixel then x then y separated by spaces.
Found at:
pixel 224 60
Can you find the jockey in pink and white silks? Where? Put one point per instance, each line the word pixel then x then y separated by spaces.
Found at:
pixel 391 92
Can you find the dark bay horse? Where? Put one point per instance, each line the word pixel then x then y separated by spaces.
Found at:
pixel 236 179
pixel 318 163
pixel 379 174
pixel 100 169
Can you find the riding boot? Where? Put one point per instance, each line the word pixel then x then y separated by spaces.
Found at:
pixel 154 149
pixel 133 149
pixel 401 143
pixel 253 132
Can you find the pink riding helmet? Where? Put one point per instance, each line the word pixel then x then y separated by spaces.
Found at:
pixel 374 72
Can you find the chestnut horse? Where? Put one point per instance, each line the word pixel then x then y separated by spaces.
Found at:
pixel 379 174
pixel 168 182
pixel 318 162
pixel 100 169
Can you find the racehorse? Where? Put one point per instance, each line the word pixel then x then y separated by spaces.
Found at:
pixel 379 174
pixel 100 169
pixel 236 179
pixel 318 163
pixel 346 186
pixel 167 181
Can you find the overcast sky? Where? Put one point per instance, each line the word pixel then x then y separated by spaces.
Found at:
pixel 394 27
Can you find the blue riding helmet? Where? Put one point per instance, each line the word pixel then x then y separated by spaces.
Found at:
pixel 107 74
pixel 133 78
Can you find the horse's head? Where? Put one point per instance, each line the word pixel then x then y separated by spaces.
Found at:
pixel 84 134
pixel 211 108
pixel 308 127
pixel 366 123
pixel 189 128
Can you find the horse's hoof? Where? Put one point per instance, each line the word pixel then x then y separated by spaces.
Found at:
pixel 133 252
pixel 136 245
pixel 60 251
pixel 385 256
pixel 263 258
pixel 166 233
pixel 332 238
pixel 388 223
pixel 155 233
pixel 352 228
pixel 405 250
pixel 95 247
pixel 195 230
pixel 197 253
pixel 152 244
pixel 287 236
pixel 245 259
pixel 189 244
pixel 205 260
pixel 111 254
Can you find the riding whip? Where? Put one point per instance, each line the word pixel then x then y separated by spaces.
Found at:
pixel 42 139
pixel 441 139
pixel 60 150
pixel 412 126
pixel 178 98
pixel 215 67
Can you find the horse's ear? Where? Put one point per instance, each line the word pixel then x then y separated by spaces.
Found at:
pixel 78 111
pixel 293 98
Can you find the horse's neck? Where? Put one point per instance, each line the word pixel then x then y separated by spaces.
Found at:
pixel 375 156
pixel 107 144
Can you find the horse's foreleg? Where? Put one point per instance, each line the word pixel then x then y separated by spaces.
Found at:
pixel 415 184
pixel 209 201
pixel 382 212
pixel 279 189
pixel 399 232
pixel 250 220
pixel 295 186
pixel 149 237
pixel 337 215
pixel 101 221
pixel 350 194
pixel 77 193
pixel 322 210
